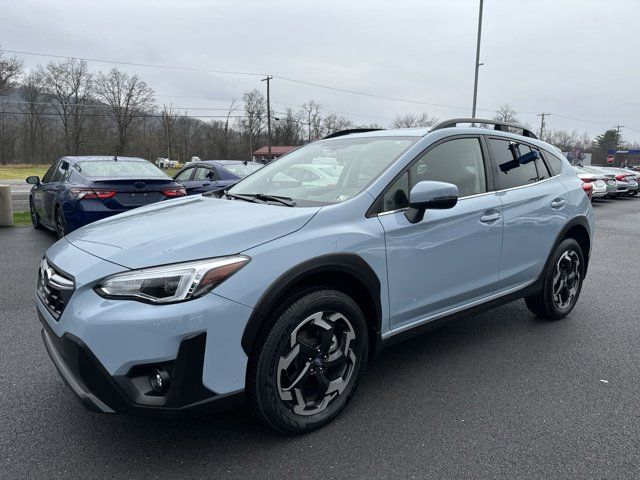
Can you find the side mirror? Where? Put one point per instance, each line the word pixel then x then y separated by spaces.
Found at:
pixel 430 195
pixel 33 180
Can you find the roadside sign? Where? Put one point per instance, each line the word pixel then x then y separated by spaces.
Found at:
pixel 610 159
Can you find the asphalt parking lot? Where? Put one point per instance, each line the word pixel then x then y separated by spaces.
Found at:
pixel 495 395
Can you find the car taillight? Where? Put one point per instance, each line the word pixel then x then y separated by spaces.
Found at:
pixel 174 192
pixel 588 189
pixel 86 193
pixel 588 180
pixel 621 177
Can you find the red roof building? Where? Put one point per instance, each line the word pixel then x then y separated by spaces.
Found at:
pixel 276 151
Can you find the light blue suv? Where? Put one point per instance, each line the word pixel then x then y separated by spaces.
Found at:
pixel 279 293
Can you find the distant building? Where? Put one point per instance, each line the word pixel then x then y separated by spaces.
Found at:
pixel 262 154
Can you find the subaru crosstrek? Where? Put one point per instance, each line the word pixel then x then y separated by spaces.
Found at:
pixel 279 293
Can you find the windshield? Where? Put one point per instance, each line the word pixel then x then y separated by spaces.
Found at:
pixel 242 170
pixel 119 169
pixel 328 171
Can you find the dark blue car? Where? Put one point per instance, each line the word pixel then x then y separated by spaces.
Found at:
pixel 211 175
pixel 76 191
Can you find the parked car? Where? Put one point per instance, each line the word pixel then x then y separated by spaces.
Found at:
pixel 280 294
pixel 621 187
pixel 594 183
pixel 626 176
pixel 211 175
pixel 76 191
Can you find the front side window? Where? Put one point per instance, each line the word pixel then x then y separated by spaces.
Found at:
pixel 185 175
pixel 458 161
pixel 299 176
pixel 60 171
pixel 49 175
pixel 511 173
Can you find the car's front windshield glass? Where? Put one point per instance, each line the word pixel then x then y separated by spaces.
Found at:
pixel 325 172
pixel 119 169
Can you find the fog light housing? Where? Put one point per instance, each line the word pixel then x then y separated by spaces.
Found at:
pixel 160 380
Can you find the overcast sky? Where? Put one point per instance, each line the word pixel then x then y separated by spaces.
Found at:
pixel 576 58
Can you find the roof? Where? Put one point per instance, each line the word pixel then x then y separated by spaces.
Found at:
pixel 227 162
pixel 275 150
pixel 100 158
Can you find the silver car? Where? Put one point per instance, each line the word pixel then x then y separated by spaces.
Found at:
pixel 597 181
pixel 629 176
pixel 621 187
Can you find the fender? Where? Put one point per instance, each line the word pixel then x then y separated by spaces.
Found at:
pixel 350 264
pixel 580 220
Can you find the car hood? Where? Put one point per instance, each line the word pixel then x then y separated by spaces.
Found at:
pixel 186 229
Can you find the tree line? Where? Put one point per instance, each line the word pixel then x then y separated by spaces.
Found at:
pixel 64 108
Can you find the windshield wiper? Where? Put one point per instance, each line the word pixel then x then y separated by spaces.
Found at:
pixel 262 198
pixel 286 201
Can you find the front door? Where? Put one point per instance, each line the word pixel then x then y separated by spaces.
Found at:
pixel 451 258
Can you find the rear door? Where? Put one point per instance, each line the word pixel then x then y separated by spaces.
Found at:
pixel 451 258
pixel 535 208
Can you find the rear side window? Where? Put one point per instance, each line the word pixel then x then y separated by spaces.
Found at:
pixel 510 172
pixel 554 162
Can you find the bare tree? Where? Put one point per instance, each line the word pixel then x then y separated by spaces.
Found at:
pixel 288 129
pixel 34 106
pixel 412 121
pixel 225 146
pixel 506 114
pixel 128 96
pixel 10 71
pixel 168 119
pixel 313 119
pixel 255 110
pixel 68 84
pixel 334 123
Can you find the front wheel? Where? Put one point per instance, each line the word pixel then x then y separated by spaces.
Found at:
pixel 562 282
pixel 307 366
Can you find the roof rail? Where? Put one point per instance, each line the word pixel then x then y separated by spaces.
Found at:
pixel 341 133
pixel 498 125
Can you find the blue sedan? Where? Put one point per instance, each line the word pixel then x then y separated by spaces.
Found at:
pixel 76 191
pixel 211 175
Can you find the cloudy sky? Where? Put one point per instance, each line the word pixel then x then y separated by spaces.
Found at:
pixel 572 58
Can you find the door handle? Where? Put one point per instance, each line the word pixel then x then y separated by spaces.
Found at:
pixel 558 203
pixel 490 217
pixel 206 184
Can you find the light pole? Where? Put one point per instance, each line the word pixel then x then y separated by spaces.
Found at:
pixel 475 82
pixel 268 80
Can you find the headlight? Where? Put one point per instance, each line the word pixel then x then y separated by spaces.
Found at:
pixel 171 283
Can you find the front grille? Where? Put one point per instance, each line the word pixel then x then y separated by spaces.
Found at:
pixel 54 288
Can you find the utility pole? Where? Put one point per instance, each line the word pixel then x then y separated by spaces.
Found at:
pixel 618 127
pixel 542 115
pixel 268 80
pixel 475 82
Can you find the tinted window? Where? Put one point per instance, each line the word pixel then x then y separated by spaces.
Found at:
pixel 49 174
pixel 458 162
pixel 60 171
pixel 511 172
pixel 554 162
pixel 185 175
pixel 203 173
pixel 120 169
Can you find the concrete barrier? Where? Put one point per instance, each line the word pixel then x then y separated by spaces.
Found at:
pixel 6 212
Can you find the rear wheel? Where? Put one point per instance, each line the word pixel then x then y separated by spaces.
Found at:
pixel 562 282
pixel 61 224
pixel 35 218
pixel 307 366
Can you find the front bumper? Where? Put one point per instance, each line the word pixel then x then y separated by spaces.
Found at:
pixel 131 394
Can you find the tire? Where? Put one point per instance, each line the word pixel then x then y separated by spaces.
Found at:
pixel 562 283
pixel 35 218
pixel 318 343
pixel 61 223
